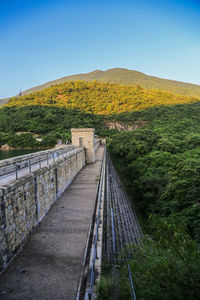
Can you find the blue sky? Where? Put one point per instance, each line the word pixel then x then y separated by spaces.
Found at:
pixel 42 40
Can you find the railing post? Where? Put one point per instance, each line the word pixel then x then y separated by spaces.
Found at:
pixel 29 162
pixel 16 171
pixel 132 290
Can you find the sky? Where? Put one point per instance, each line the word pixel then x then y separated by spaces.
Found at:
pixel 43 40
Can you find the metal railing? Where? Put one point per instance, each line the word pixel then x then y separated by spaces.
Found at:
pixel 132 290
pixel 21 158
pixel 116 257
pixel 96 236
pixel 35 163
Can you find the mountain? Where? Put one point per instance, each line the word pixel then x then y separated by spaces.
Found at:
pixel 128 77
pixel 4 101
pixel 99 97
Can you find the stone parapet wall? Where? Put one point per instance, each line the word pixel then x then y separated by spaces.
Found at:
pixel 24 203
pixel 9 165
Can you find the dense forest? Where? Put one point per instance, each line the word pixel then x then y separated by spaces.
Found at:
pixel 161 162
pixel 159 165
pixel 19 126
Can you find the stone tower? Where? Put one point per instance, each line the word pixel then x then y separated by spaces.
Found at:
pixel 84 137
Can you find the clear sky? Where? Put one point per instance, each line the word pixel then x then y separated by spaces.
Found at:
pixel 42 40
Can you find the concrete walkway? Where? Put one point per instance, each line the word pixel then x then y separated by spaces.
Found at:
pixel 50 264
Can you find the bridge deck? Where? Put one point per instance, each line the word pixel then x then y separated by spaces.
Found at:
pixel 49 265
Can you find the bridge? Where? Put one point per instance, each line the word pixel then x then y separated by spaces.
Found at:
pixel 54 204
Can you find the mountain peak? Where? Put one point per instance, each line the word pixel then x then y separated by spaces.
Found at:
pixel 128 77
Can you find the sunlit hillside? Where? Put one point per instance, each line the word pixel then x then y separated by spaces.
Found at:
pixel 99 98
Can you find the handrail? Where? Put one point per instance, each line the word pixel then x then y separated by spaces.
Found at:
pixel 132 290
pixel 80 290
pixel 28 162
pixel 96 236
pixel 12 160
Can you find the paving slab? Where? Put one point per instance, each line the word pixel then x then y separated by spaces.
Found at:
pixel 50 263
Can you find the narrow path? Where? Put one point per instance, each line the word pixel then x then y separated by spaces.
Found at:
pixel 49 266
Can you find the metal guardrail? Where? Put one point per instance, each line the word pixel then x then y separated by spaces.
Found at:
pixel 113 231
pixel 96 237
pixel 97 143
pixel 132 290
pixel 37 159
pixel 115 256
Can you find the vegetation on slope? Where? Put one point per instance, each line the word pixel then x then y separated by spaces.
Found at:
pixel 165 267
pixel 161 161
pixel 50 123
pixel 159 165
pixel 99 98
pixel 128 77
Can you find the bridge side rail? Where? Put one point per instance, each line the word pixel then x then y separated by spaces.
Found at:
pixel 96 249
pixel 91 267
pixel 97 143
pixel 12 164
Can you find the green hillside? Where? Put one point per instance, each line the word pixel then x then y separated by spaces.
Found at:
pixel 128 77
pixel 99 98
pixel 159 165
